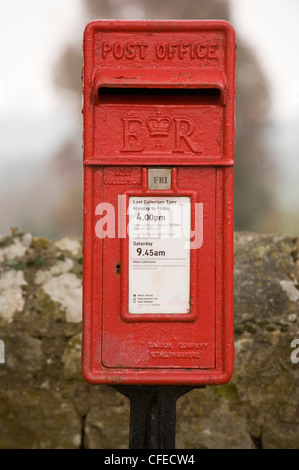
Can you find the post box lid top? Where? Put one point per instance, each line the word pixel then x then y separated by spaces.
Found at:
pixel 158 25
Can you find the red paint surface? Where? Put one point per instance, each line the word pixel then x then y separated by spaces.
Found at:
pixel 159 93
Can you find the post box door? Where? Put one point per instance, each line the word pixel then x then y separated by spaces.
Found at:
pixel 160 340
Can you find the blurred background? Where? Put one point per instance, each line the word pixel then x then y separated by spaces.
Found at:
pixel 40 108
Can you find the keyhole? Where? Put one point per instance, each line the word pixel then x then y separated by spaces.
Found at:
pixel 117 268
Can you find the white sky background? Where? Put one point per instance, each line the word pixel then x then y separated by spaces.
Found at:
pixel 271 28
pixel 34 120
pixel 32 32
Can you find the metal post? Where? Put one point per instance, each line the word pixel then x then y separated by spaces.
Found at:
pixel 153 414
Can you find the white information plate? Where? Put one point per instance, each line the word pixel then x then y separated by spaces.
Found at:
pixel 159 254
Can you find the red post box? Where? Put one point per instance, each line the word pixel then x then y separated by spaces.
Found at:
pixel 158 202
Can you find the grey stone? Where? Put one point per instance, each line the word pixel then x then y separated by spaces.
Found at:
pixel 45 403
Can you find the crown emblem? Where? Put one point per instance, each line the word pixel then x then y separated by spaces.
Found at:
pixel 158 125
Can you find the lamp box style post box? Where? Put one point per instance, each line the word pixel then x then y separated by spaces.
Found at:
pixel 158 202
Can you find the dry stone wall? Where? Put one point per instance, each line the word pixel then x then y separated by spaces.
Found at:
pixel 45 403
